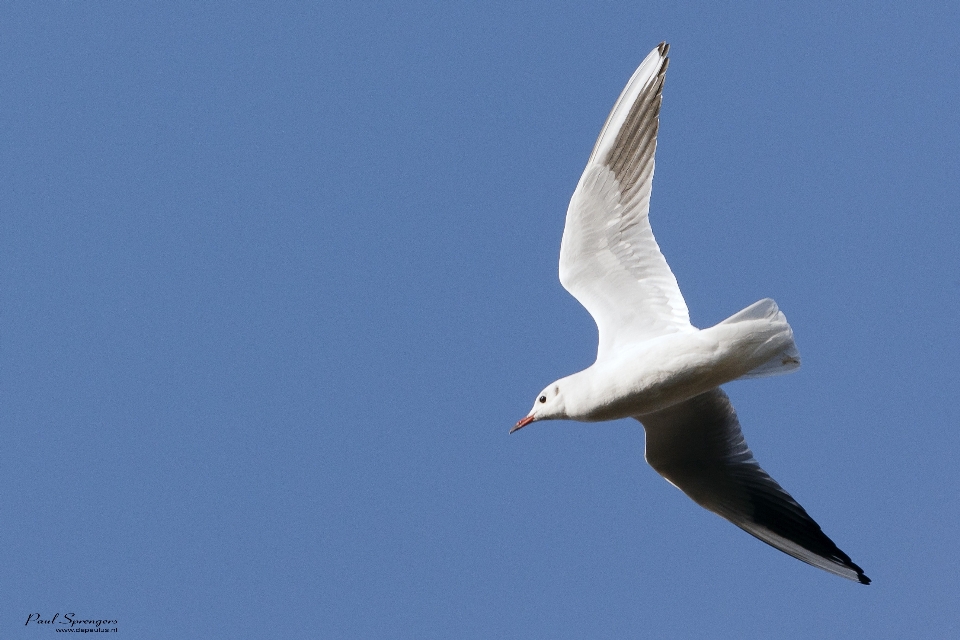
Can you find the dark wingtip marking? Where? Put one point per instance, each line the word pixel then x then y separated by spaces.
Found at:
pixel 637 139
pixel 863 579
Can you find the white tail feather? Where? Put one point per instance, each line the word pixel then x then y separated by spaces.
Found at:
pixel 787 358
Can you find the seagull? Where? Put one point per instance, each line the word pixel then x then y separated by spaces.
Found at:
pixel 652 364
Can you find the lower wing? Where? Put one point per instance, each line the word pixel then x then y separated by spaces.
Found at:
pixel 698 447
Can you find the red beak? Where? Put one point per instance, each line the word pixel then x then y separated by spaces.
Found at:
pixel 522 423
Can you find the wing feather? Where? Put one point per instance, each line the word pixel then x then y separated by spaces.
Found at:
pixel 698 447
pixel 609 259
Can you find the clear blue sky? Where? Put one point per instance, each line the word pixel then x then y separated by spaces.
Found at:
pixel 276 279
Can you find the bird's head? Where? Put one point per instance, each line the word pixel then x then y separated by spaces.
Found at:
pixel 549 405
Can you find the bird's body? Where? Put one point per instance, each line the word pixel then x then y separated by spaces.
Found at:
pixel 652 364
pixel 660 372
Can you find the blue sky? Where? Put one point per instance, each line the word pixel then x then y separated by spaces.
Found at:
pixel 276 280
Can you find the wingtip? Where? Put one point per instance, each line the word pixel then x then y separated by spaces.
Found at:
pixel 663 48
pixel 850 564
pixel 860 576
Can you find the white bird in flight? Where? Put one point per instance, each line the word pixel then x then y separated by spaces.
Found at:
pixel 652 364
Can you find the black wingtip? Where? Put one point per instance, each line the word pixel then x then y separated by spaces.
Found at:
pixel 850 564
pixel 663 47
pixel 845 559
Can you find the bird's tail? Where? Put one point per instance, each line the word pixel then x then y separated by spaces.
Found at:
pixel 771 322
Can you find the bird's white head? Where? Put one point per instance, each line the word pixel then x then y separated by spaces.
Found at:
pixel 549 405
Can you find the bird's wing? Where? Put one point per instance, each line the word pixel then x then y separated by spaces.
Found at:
pixel 609 259
pixel 697 445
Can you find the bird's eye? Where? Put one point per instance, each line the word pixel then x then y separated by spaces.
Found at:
pixel 543 399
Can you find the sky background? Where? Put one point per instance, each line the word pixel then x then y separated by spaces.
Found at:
pixel 276 279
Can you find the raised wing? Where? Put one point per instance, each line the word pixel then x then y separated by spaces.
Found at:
pixel 609 259
pixel 697 445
